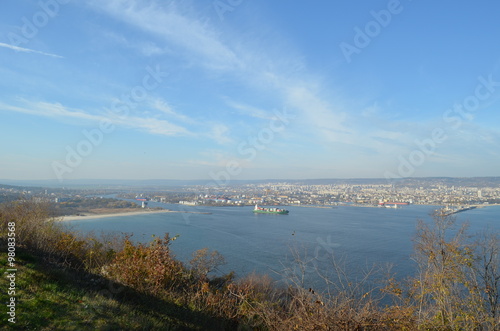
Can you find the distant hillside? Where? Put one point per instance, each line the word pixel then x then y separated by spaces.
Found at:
pixel 152 184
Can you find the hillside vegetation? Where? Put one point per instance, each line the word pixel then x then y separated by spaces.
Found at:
pixel 65 281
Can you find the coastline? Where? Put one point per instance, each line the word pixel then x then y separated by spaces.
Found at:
pixel 156 211
pixel 110 215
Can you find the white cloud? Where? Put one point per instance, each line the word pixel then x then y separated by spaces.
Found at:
pixel 154 126
pixel 320 114
pixel 27 50
pixel 165 108
pixel 248 110
pixel 165 21
pixel 388 135
pixel 147 48
pixel 200 41
pixel 45 109
pixel 150 49
pixel 220 133
pixel 58 111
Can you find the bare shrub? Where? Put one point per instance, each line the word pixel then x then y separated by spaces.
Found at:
pixel 485 276
pixel 457 282
pixel 205 261
pixel 457 285
pixel 30 218
pixel 148 268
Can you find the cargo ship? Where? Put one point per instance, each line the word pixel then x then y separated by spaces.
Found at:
pixel 262 210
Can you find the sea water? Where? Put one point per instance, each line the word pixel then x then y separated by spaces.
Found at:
pixel 356 238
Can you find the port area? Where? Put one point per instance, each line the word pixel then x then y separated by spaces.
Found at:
pixel 447 211
pixel 315 206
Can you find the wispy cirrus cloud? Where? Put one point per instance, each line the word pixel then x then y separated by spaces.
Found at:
pixel 163 107
pixel 58 111
pixel 200 42
pixel 147 48
pixel 320 114
pixel 27 50
pixel 219 133
pixel 248 110
pixel 192 35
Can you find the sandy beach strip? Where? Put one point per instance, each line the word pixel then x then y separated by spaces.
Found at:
pixel 95 216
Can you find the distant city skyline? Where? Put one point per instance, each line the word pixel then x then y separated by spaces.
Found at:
pixel 234 90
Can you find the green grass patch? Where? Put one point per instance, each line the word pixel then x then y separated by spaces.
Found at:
pixel 48 298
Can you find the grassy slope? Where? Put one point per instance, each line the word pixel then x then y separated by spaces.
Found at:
pixel 49 298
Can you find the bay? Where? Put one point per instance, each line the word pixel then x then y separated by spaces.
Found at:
pixel 361 237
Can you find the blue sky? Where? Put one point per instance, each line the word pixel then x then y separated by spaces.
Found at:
pixel 239 89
